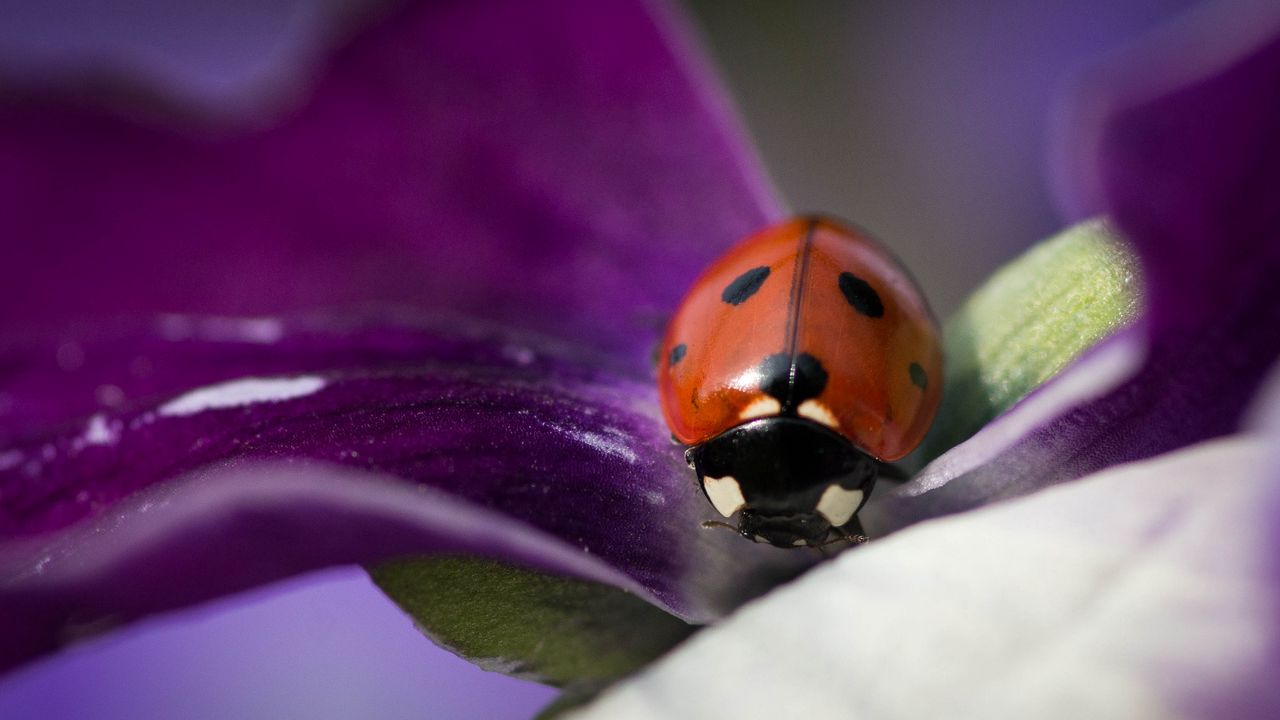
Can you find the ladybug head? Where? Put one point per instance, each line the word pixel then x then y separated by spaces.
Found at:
pixel 792 480
pixel 799 529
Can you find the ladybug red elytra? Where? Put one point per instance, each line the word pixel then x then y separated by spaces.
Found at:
pixel 800 361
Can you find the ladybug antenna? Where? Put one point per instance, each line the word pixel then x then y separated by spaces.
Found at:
pixel 708 524
pixel 843 537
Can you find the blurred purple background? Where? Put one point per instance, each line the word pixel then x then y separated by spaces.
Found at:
pixel 924 122
pixel 328 645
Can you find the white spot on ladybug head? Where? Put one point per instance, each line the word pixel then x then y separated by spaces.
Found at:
pixel 724 494
pixel 799 543
pixel 760 407
pixel 818 412
pixel 838 505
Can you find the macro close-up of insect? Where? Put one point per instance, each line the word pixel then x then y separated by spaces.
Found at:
pixel 800 363
pixel 639 359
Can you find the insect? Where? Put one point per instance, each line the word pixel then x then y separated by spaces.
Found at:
pixel 800 362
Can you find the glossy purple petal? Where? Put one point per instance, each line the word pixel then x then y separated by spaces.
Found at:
pixel 564 167
pixel 561 166
pixel 1176 142
pixel 344 446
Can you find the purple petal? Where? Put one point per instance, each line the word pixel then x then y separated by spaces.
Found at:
pixel 413 440
pixel 567 167
pixel 327 645
pixel 1176 142
pixel 1188 165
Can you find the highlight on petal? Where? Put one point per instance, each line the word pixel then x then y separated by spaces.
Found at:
pixel 1133 593
pixel 232 462
pixel 564 167
pixel 1185 160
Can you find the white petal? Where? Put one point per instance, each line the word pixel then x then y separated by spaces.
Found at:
pixel 1147 591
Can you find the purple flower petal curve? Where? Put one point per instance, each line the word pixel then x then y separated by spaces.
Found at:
pixel 1177 145
pixel 567 167
pixel 345 446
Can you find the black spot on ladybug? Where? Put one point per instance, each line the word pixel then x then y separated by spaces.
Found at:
pixel 775 376
pixel 918 376
pixel 810 378
pixel 861 295
pixel 745 285
pixel 677 353
pixel 778 380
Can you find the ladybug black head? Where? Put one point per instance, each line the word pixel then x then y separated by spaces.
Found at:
pixel 799 529
pixel 793 480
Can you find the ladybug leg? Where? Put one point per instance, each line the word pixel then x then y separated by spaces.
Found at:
pixel 840 537
pixel 708 524
pixel 852 532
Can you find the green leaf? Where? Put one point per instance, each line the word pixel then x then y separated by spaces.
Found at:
pixel 556 630
pixel 1031 318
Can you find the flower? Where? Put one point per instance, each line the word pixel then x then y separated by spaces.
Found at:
pixel 137 474
pixel 1146 589
pixel 383 239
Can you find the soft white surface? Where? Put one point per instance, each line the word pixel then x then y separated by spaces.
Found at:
pixel 1147 591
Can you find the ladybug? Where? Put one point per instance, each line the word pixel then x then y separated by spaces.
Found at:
pixel 800 363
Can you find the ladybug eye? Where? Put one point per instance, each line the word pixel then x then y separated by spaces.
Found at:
pixel 745 285
pixel 861 295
